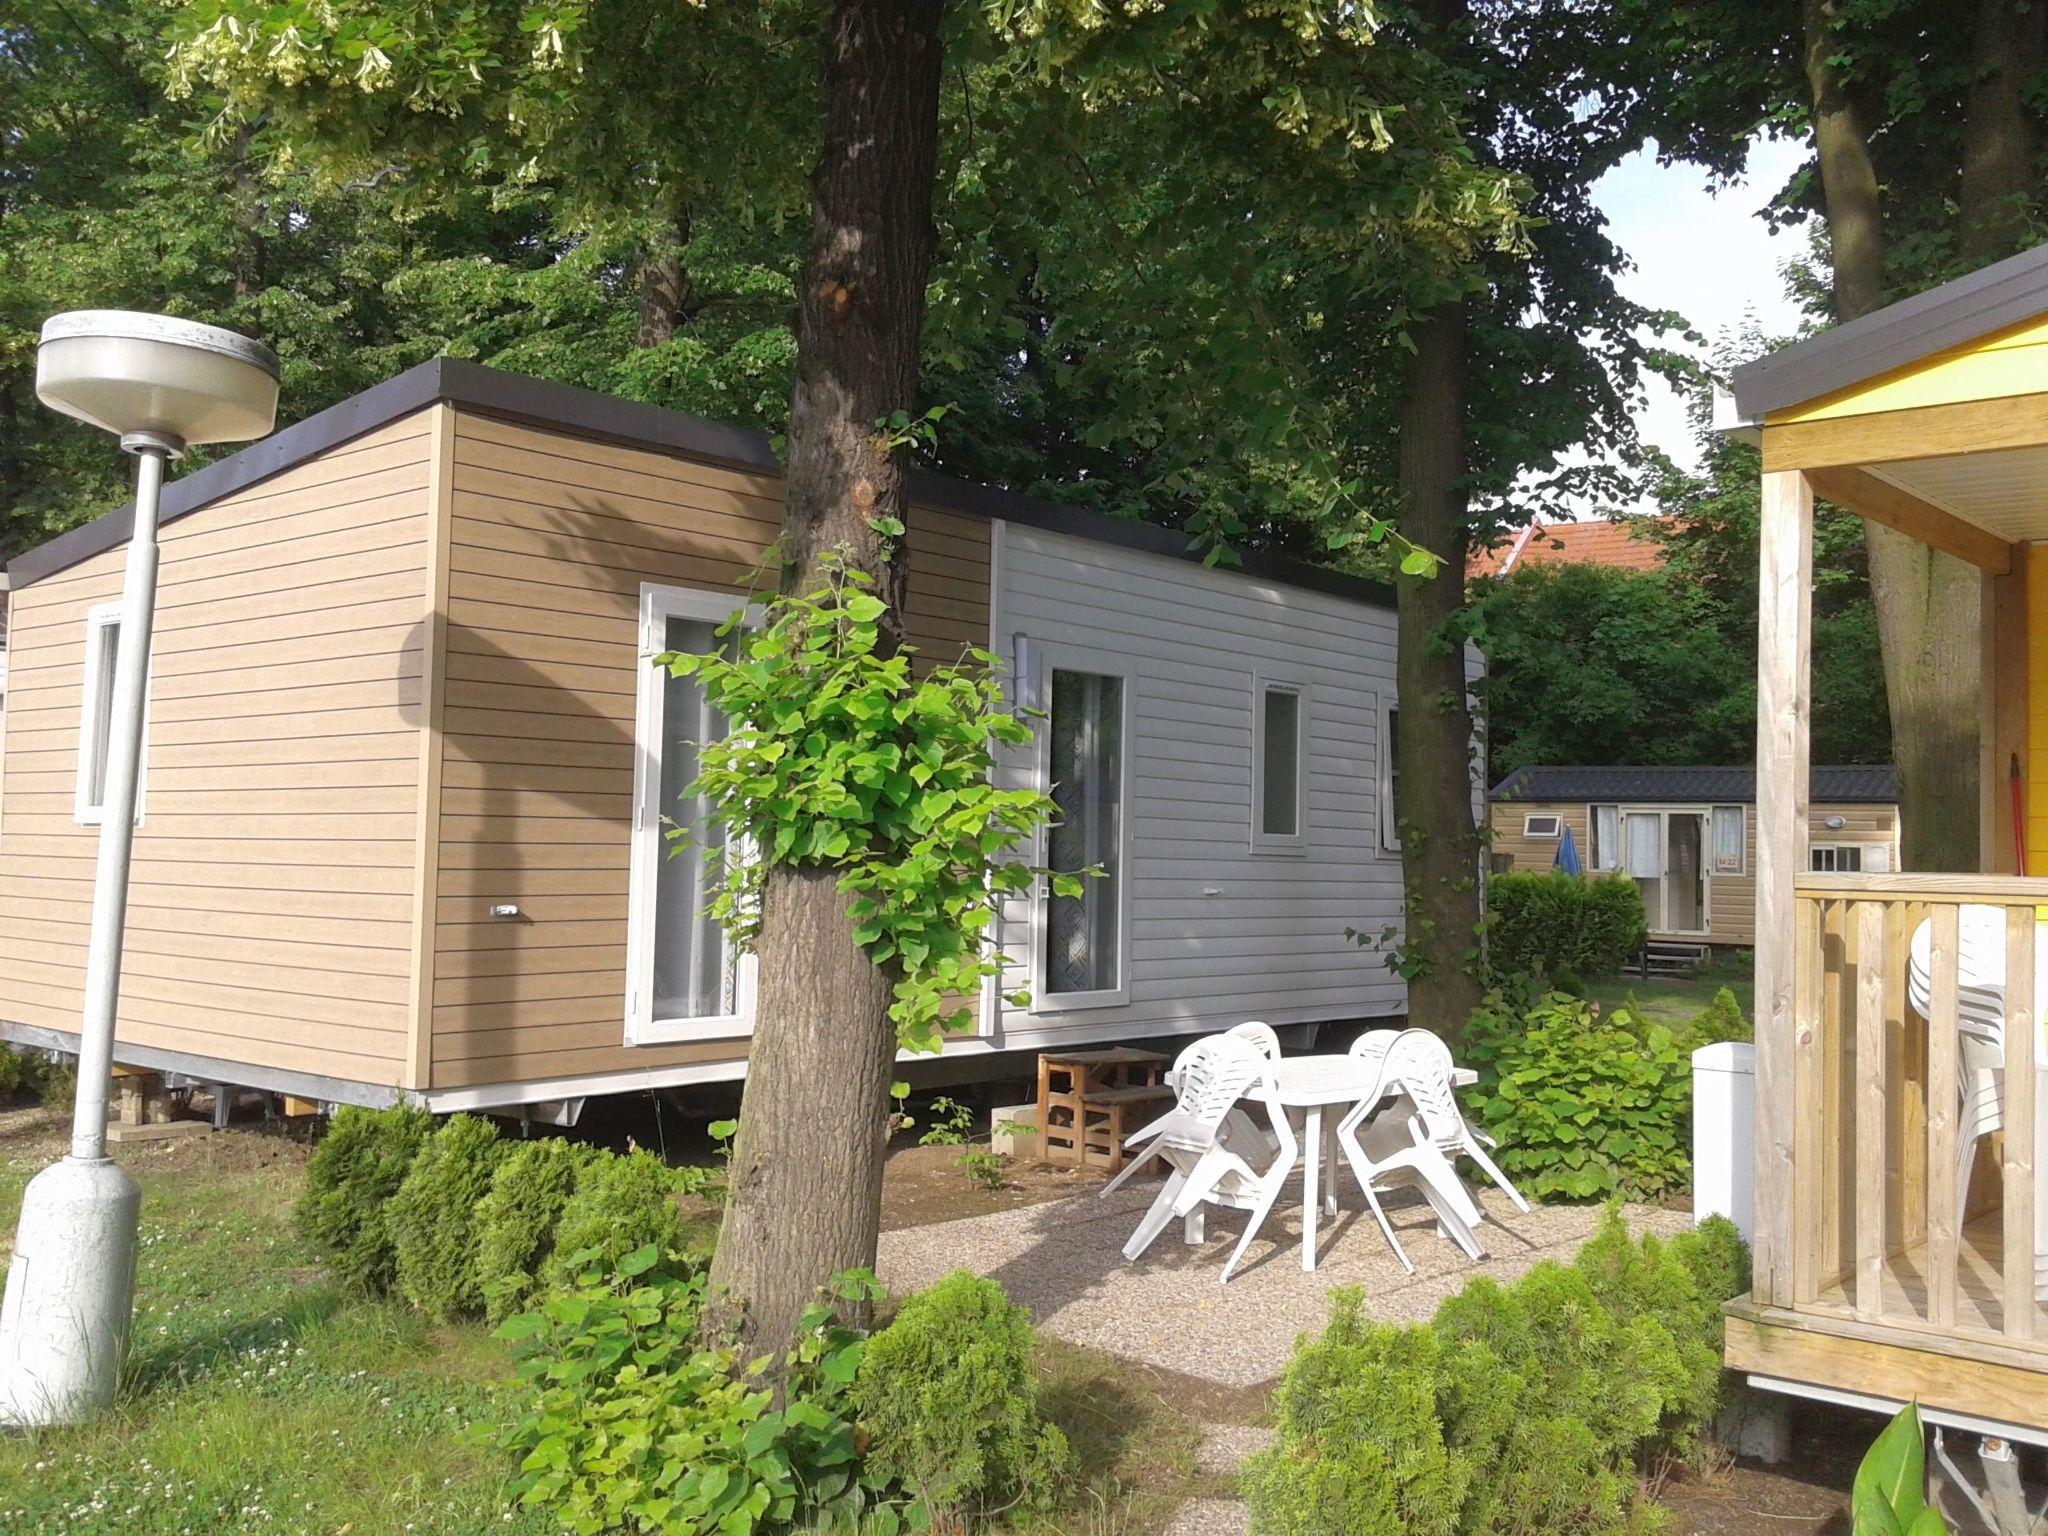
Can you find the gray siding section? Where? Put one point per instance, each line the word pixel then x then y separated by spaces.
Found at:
pixel 1270 942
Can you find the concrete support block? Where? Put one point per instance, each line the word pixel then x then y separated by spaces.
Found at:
pixel 1013 1130
pixel 1724 1134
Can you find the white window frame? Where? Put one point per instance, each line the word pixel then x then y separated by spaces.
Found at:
pixel 1390 830
pixel 659 604
pixel 99 619
pixel 1296 842
pixel 1048 657
pixel 1741 843
pixel 1616 862
pixel 1862 847
pixel 1554 833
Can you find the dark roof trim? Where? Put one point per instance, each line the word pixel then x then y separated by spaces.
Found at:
pixel 561 407
pixel 2004 294
pixel 1849 784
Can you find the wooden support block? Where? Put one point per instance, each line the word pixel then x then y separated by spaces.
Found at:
pixel 294 1106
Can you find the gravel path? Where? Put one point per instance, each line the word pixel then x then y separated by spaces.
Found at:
pixel 1063 1260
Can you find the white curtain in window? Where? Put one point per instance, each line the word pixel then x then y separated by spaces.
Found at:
pixel 1606 837
pixel 1645 846
pixel 1728 820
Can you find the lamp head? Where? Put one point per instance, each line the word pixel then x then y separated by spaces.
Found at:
pixel 173 383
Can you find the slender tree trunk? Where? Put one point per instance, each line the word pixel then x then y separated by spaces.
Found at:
pixel 1440 842
pixel 667 297
pixel 1929 605
pixel 806 1183
pixel 249 253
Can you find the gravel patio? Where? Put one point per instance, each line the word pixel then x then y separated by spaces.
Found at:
pixel 1062 1259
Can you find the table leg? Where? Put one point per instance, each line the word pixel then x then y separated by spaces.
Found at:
pixel 1311 1194
pixel 1330 1165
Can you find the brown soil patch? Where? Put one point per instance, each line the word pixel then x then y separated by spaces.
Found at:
pixel 38 1135
pixel 922 1185
pixel 1807 1496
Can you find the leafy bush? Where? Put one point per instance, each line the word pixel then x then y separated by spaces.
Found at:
pixel 1888 1498
pixel 1582 1106
pixel 1548 923
pixel 1720 1020
pixel 21 1071
pixel 619 1204
pixel 1520 1408
pixel 350 1180
pixel 948 1395
pixel 432 1218
pixel 633 1426
pixel 517 1218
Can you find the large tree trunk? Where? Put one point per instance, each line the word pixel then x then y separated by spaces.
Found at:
pixel 1440 843
pixel 1929 605
pixel 806 1181
pixel 667 298
pixel 1999 136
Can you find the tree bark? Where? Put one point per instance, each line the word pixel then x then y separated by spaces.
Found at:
pixel 805 1189
pixel 667 298
pixel 1999 137
pixel 1440 842
pixel 1929 605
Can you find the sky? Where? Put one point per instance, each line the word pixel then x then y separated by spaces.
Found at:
pixel 1709 257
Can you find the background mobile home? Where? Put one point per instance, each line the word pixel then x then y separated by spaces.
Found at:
pixel 1688 835
pixel 407 758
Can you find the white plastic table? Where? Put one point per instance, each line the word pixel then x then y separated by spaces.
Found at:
pixel 1313 1084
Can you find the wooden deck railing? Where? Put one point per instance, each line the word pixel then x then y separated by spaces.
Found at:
pixel 1881 1230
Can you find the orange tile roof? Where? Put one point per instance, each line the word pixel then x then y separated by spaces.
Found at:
pixel 1599 542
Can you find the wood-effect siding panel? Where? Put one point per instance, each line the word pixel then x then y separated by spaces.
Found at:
pixel 551 539
pixel 270 917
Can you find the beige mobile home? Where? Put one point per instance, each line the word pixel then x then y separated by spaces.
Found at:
pixel 406 758
pixel 1688 835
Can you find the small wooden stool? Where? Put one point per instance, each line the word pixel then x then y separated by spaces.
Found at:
pixel 1089 1101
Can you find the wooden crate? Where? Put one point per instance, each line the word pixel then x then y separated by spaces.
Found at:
pixel 1089 1101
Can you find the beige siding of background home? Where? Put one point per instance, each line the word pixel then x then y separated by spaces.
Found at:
pixel 550 540
pixel 1731 898
pixel 270 920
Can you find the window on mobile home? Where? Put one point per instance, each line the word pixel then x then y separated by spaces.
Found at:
pixel 1849 858
pixel 688 980
pixel 1729 827
pixel 1390 779
pixel 1604 822
pixel 96 719
pixel 1279 759
pixel 1082 936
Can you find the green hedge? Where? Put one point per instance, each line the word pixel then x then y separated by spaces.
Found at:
pixel 1555 924
pixel 517 1217
pixel 433 1218
pixel 1520 1408
pixel 350 1180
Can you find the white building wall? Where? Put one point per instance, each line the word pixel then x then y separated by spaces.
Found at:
pixel 1215 932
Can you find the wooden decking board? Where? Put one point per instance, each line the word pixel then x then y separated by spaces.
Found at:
pixel 1979 1302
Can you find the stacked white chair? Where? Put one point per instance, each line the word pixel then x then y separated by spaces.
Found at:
pixel 1205 1166
pixel 1394 1150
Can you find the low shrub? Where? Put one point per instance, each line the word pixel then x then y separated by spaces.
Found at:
pixel 517 1218
pixel 432 1218
pixel 1582 1105
pixel 350 1179
pixel 618 1205
pixel 1548 923
pixel 948 1395
pixel 1720 1020
pixel 634 1426
pixel 1526 1407
pixel 21 1071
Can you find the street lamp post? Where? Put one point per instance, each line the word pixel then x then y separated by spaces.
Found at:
pixel 161 385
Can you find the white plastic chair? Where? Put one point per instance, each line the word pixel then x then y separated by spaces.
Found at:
pixel 1980 1027
pixel 1422 1064
pixel 1210 1078
pixel 1239 1129
pixel 1392 1149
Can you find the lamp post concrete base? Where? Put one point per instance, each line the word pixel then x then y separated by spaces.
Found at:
pixel 65 1320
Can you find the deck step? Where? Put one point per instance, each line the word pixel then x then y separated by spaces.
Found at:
pixel 1669 960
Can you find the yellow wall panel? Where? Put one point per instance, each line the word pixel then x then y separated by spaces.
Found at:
pixel 2009 362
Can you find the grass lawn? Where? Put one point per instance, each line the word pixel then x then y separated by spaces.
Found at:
pixel 264 1398
pixel 1674 1003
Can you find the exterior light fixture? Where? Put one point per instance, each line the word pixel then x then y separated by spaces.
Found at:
pixel 160 385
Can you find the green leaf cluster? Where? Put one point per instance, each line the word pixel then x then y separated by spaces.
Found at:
pixel 635 1426
pixel 344 1205
pixel 1583 1105
pixel 1547 923
pixel 840 755
pixel 433 1217
pixel 948 1397
pixel 1519 1408
pixel 1887 1498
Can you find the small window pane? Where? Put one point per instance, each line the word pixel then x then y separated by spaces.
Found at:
pixel 99 723
pixel 1728 839
pixel 1085 746
pixel 1607 837
pixel 695 975
pixel 1280 763
pixel 1390 783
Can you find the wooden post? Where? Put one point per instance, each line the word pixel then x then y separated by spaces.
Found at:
pixel 1871 1076
pixel 1943 1064
pixel 1784 671
pixel 2017 1251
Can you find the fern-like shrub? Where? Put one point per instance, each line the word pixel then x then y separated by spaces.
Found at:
pixel 350 1180
pixel 433 1218
pixel 618 1205
pixel 517 1218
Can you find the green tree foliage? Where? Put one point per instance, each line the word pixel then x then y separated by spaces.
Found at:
pixel 433 1217
pixel 948 1395
pixel 344 1205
